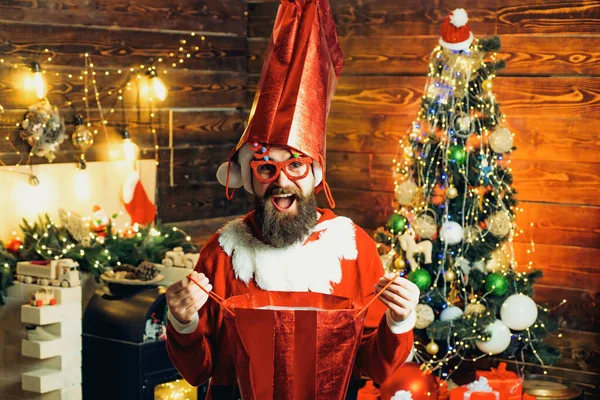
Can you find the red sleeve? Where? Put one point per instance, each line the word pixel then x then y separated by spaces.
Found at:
pixel 192 354
pixel 381 351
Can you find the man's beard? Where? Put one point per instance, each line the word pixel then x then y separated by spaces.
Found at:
pixel 281 229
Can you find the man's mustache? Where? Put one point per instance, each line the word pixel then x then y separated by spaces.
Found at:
pixel 278 190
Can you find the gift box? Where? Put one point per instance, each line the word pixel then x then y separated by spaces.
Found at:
pixel 507 383
pixel 443 393
pixel 477 390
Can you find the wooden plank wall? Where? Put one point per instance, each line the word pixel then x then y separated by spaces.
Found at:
pixel 207 94
pixel 550 92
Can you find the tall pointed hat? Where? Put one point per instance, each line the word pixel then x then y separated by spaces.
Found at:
pixel 302 65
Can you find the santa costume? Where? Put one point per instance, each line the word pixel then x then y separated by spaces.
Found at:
pixel 302 66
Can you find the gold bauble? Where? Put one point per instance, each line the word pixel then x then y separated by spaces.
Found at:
pixel 399 263
pixel 487 85
pixel 451 192
pixel 449 275
pixel 82 138
pixel 432 348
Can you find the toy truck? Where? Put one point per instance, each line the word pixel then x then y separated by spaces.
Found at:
pixel 177 258
pixel 49 272
pixel 43 297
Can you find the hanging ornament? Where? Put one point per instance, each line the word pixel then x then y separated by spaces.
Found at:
pixel 432 348
pixel 397 223
pixel 518 312
pixel 439 195
pixel 411 248
pixel 14 245
pixel 496 283
pixel 499 261
pixel 462 125
pixel 43 129
pixel 386 260
pixel 472 234
pixel 425 316
pixel 449 276
pixel 499 223
pixel 474 309
pixel 451 232
pixel 463 264
pixel 406 192
pixel 487 85
pixel 421 278
pixel 457 153
pixel 501 140
pixel 499 338
pixel 399 263
pixel 76 226
pixel 100 221
pixel 82 138
pixel 451 313
pixel 425 226
pixel 451 192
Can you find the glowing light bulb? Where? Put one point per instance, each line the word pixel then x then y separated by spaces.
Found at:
pixel 39 84
pixel 160 90
pixel 130 149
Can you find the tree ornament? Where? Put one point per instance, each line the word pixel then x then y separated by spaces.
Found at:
pixel 397 223
pixel 421 278
pixel 425 316
pixel 411 248
pixel 499 338
pixel 425 226
pixel 439 195
pixel 75 226
pixel 463 264
pixel 472 234
pixel 457 153
pixel 449 275
pixel 487 85
pixel 432 348
pixel 399 263
pixel 82 138
pixel 496 283
pixel 14 245
pixel 474 309
pixel 451 232
pixel 406 192
pixel 501 140
pixel 43 129
pixel 386 260
pixel 518 312
pixel 451 313
pixel 499 261
pixel 451 192
pixel 499 223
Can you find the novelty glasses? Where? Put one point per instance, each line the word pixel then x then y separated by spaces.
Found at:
pixel 266 171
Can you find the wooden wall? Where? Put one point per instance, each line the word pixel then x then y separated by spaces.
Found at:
pixel 550 92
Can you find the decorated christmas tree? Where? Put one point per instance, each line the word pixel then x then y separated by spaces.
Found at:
pixel 454 223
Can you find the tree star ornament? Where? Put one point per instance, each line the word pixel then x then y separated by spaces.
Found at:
pixel 501 140
pixel 451 232
pixel 421 278
pixel 499 224
pixel 411 248
pixel 496 284
pixel 425 316
pixel 406 192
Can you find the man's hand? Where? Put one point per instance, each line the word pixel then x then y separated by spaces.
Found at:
pixel 401 297
pixel 185 298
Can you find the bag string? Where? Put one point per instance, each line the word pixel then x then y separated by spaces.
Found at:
pixel 212 295
pixel 376 296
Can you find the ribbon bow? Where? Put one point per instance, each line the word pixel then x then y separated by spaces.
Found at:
pixel 480 385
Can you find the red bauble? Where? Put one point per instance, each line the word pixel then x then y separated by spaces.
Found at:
pixel 422 386
pixel 14 245
pixel 439 195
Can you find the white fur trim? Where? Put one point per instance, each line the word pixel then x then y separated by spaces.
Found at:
pixel 235 175
pixel 129 186
pixel 403 326
pixel 185 329
pixel 464 45
pixel 297 268
pixel 459 17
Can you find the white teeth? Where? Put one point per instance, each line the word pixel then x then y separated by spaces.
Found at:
pixel 282 195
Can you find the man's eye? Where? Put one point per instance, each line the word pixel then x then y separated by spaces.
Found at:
pixel 296 164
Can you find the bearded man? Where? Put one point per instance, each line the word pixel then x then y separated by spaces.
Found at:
pixel 288 243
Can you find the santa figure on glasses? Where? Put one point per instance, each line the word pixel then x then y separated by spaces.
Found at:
pixel 288 243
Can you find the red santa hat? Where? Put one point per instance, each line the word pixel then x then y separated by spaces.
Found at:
pixel 456 34
pixel 302 65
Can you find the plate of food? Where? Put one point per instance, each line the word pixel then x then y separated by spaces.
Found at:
pixel 144 274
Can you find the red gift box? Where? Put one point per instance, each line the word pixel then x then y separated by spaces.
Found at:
pixel 478 390
pixel 507 383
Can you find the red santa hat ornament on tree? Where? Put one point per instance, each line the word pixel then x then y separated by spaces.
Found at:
pixel 302 65
pixel 456 34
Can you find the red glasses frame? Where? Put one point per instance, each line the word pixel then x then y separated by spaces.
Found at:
pixel 280 166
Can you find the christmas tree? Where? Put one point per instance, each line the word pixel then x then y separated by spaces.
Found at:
pixel 454 223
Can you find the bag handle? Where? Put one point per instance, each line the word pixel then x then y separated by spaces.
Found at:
pixel 212 295
pixel 376 296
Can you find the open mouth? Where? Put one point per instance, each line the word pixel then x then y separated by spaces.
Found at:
pixel 283 202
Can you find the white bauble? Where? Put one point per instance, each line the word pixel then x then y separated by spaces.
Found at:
pixel 451 232
pixel 500 338
pixel 425 226
pixel 406 192
pixel 424 315
pixel 518 312
pixel 451 313
pixel 499 223
pixel 501 140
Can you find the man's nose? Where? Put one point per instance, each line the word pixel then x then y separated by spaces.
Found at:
pixel 282 180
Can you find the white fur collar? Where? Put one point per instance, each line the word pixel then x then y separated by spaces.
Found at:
pixel 298 268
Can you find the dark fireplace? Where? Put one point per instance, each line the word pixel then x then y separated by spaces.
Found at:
pixel 124 354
